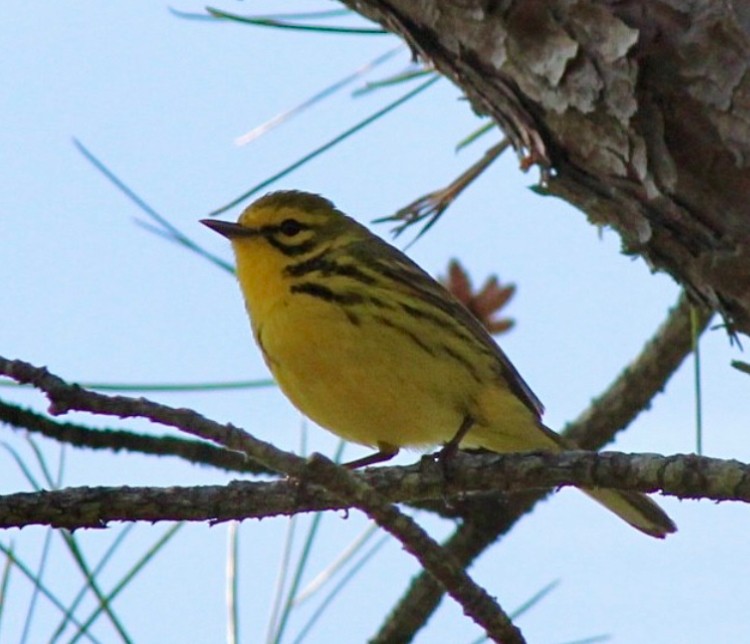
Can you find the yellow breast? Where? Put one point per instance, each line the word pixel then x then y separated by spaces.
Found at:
pixel 358 379
pixel 366 376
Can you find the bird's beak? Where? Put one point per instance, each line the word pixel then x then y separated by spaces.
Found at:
pixel 228 229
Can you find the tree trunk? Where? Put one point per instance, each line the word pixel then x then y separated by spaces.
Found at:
pixel 638 113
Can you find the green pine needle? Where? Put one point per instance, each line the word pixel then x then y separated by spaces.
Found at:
pixel 167 229
pixel 327 146
pixel 259 21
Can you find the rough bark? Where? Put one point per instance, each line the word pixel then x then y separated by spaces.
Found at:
pixel 685 476
pixel 637 111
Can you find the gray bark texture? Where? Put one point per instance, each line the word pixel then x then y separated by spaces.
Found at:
pixel 638 112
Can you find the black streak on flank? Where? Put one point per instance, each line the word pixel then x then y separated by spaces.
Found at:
pixel 349 270
pixel 314 263
pixel 325 293
pixel 326 268
pixel 467 364
pixel 352 317
pixel 259 340
pixel 381 304
pixel 409 334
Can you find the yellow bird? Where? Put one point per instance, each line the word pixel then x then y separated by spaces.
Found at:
pixel 369 346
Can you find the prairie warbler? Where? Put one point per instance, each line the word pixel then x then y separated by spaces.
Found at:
pixel 369 346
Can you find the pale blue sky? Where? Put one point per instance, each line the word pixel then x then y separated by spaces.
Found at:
pixel 94 297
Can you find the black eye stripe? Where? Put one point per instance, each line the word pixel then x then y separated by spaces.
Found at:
pixel 291 227
pixel 285 237
pixel 275 229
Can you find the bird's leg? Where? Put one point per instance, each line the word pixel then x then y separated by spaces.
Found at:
pixel 451 447
pixel 446 454
pixel 385 452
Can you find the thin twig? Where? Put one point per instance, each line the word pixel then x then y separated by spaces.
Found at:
pixel 65 397
pixel 193 451
pixel 432 205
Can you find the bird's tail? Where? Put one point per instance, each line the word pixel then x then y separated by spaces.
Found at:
pixel 635 508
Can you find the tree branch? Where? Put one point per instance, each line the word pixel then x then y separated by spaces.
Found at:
pixel 66 397
pixel 476 602
pixel 640 381
pixel 194 451
pixel 685 476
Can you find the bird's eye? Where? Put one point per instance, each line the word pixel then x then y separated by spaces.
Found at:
pixel 290 227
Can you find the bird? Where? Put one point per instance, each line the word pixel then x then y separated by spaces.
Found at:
pixel 372 348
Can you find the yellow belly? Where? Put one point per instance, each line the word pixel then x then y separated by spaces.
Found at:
pixel 371 384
